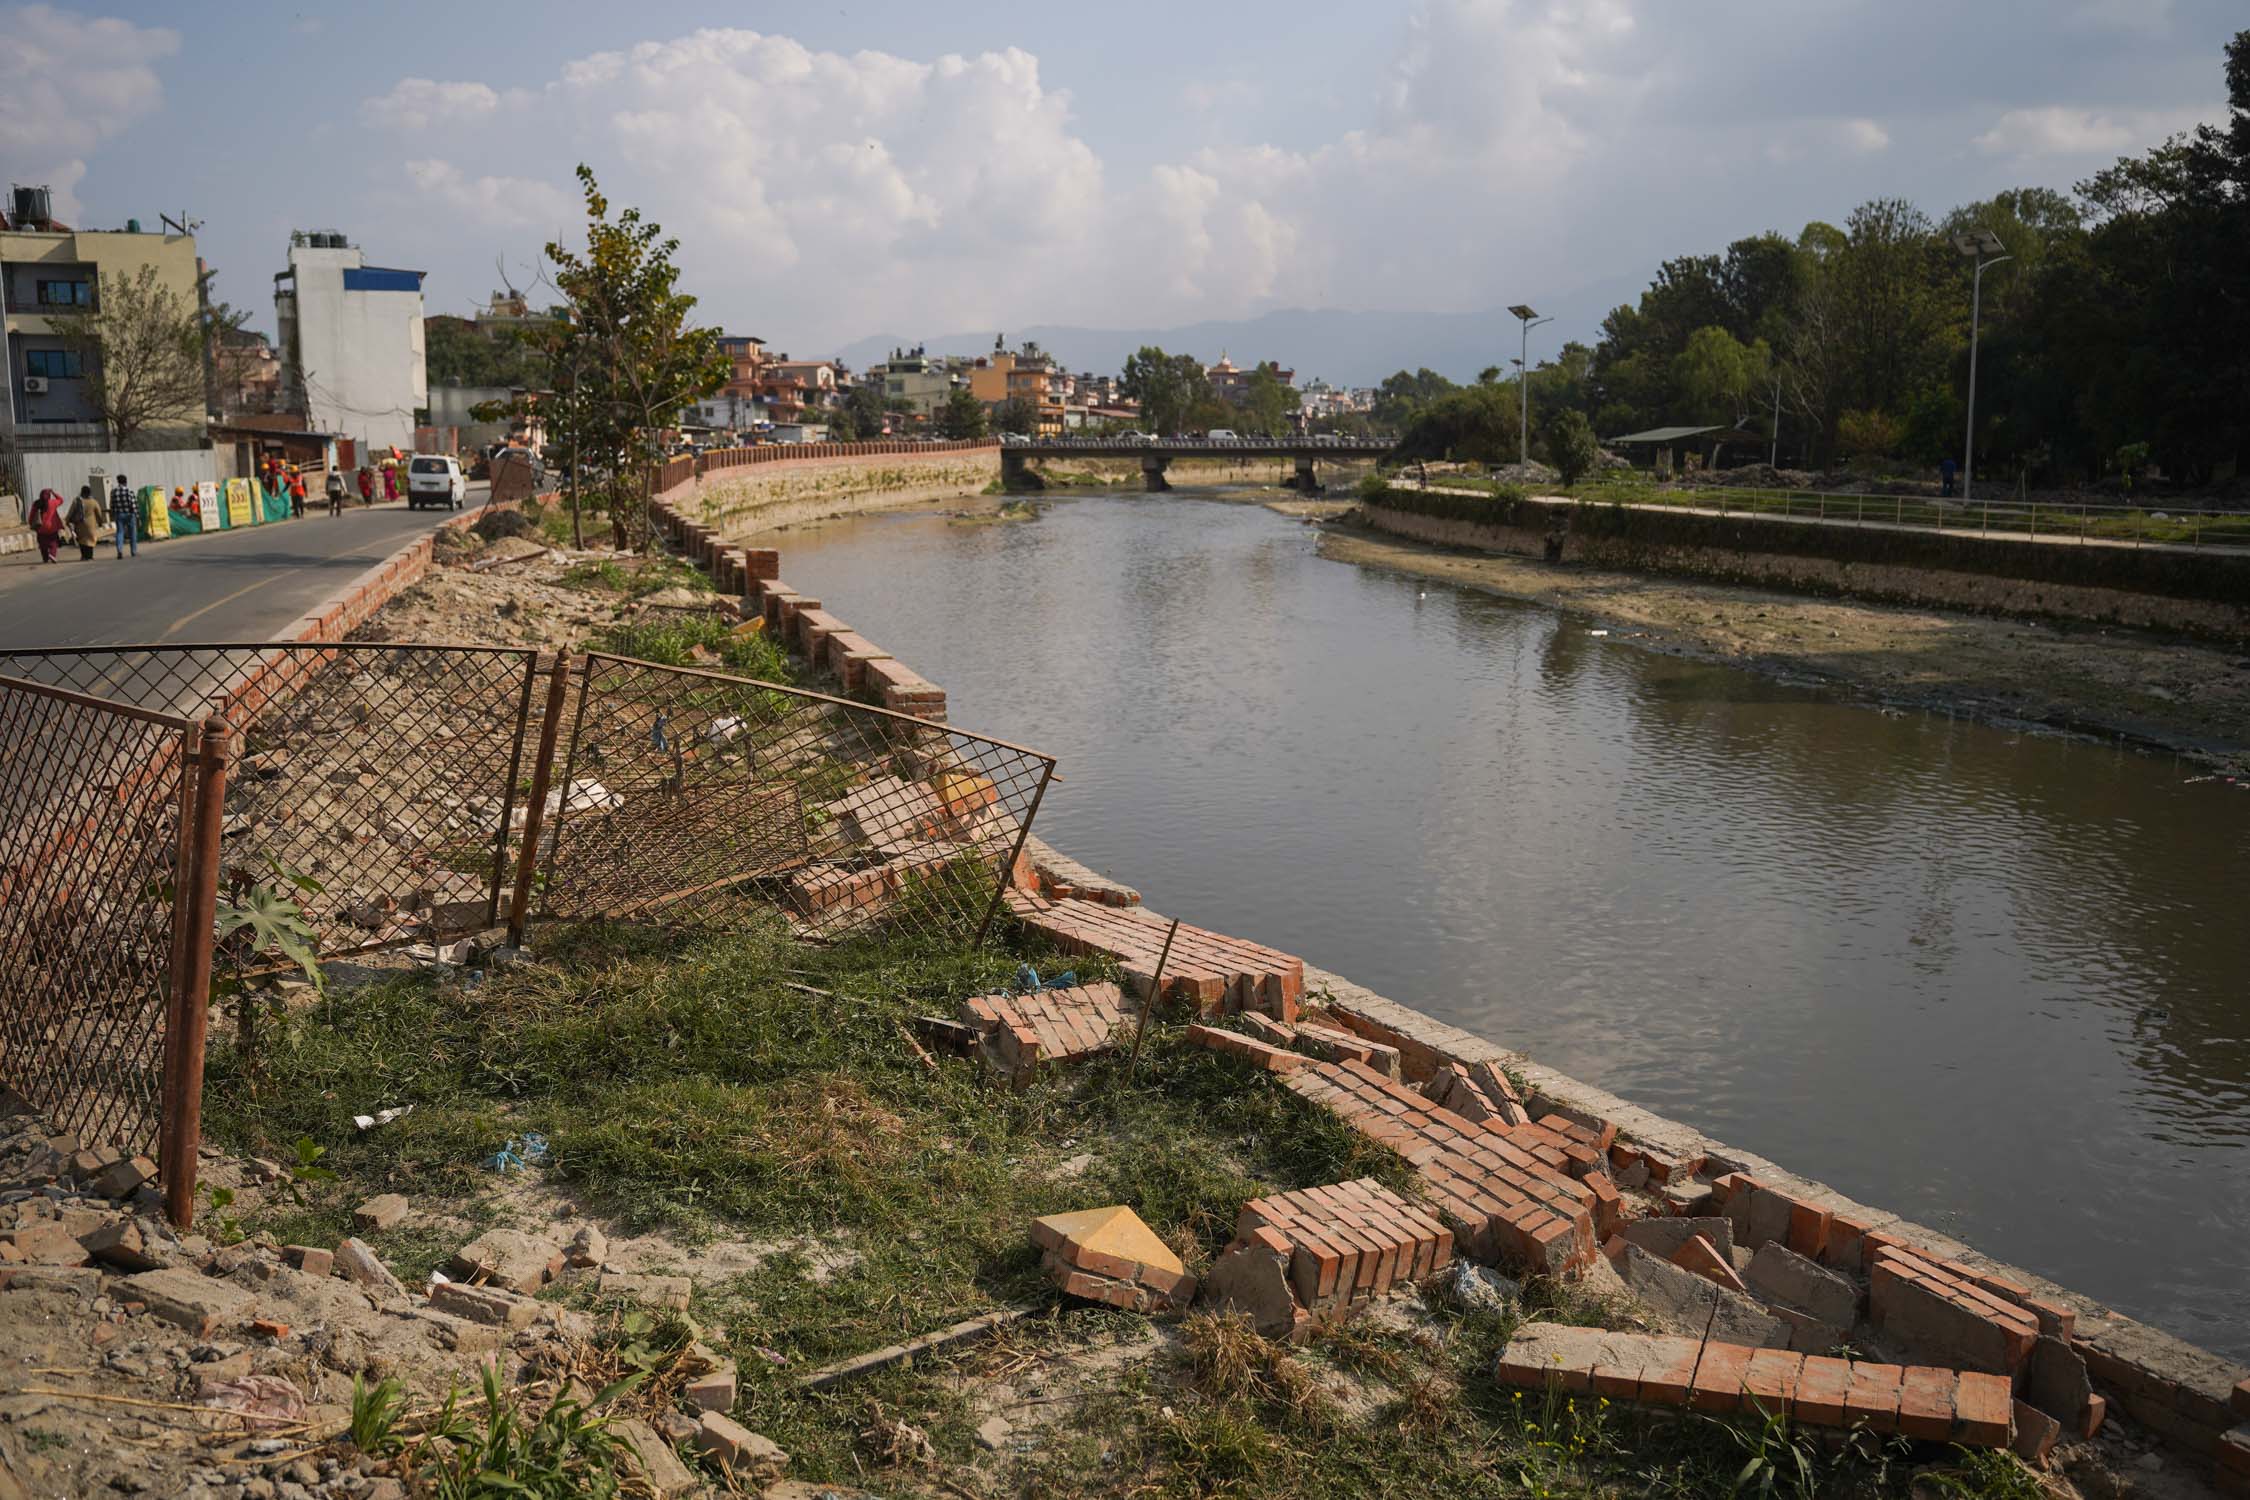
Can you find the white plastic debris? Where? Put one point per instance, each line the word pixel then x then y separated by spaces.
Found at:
pixel 381 1117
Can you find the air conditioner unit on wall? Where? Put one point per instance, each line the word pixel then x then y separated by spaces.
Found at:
pixel 35 385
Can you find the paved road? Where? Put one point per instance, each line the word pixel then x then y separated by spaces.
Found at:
pixel 220 586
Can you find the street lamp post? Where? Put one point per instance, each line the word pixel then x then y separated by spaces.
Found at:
pixel 1983 247
pixel 1529 320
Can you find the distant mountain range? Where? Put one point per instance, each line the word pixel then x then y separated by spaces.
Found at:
pixel 1342 348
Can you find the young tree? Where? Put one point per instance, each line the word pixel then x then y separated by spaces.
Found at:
pixel 1268 402
pixel 1571 445
pixel 1169 387
pixel 1721 378
pixel 1018 415
pixel 141 350
pixel 962 416
pixel 627 361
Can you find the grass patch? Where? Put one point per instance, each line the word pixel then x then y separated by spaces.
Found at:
pixel 691 1084
pixel 673 639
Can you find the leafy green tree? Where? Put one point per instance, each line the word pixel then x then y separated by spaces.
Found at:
pixel 1571 446
pixel 1017 414
pixel 141 350
pixel 864 406
pixel 962 416
pixel 1402 395
pixel 1169 388
pixel 458 352
pixel 627 360
pixel 1720 378
pixel 1267 402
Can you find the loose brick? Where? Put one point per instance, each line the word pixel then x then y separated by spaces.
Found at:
pixel 1933 1313
pixel 1983 1406
pixel 1925 1403
pixel 1701 1257
pixel 1248 1049
pixel 310 1259
pixel 2036 1434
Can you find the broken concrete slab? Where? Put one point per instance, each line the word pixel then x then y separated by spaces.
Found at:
pixel 714 1391
pixel 361 1264
pixel 381 1212
pixel 1683 1302
pixel 653 1460
pixel 1779 1274
pixel 508 1258
pixel 747 1454
pixel 123 1243
pixel 186 1298
pixel 2055 1381
pixel 1251 1277
pixel 588 1247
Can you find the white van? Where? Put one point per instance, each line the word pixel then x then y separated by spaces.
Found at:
pixel 435 479
pixel 1222 435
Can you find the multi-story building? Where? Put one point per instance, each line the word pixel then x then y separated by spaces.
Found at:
pixel 351 341
pixel 48 269
pixel 925 384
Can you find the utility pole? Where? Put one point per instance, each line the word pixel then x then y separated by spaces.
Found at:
pixel 1981 246
pixel 1529 320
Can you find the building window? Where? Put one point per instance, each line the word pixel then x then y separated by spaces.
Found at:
pixel 55 364
pixel 66 293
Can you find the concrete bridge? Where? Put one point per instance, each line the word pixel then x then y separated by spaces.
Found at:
pixel 1155 455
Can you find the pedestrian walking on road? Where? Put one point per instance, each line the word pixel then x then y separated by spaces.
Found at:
pixel 296 493
pixel 390 482
pixel 47 524
pixel 366 485
pixel 125 510
pixel 335 491
pixel 1946 470
pixel 86 520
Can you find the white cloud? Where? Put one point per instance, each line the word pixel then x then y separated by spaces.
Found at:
pixel 2066 130
pixel 415 102
pixel 67 84
pixel 1865 135
pixel 520 204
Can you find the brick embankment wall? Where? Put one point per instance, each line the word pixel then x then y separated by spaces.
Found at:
pixel 2185 1395
pixel 742 498
pixel 2203 594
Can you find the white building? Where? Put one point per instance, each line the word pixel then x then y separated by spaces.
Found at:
pixel 351 342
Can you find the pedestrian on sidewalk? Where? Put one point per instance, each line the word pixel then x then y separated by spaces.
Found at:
pixel 366 485
pixel 334 488
pixel 86 520
pixel 47 524
pixel 390 481
pixel 296 493
pixel 125 510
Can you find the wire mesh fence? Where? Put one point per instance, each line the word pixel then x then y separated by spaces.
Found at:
pixel 386 774
pixel 696 798
pixel 92 809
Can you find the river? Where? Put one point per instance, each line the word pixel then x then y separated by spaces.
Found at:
pixel 1993 981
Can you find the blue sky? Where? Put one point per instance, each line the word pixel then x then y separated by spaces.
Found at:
pixel 836 171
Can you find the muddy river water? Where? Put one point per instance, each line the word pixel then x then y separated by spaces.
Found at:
pixel 1994 981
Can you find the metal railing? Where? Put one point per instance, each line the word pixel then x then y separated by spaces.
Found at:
pixel 109 820
pixel 405 784
pixel 694 797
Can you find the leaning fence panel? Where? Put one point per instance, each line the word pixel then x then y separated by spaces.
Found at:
pixel 696 798
pixel 91 818
pixel 387 774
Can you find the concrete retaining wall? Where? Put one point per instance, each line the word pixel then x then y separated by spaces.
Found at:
pixel 2204 593
pixel 822 480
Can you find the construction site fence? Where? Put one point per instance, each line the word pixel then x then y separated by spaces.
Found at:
pixel 410 793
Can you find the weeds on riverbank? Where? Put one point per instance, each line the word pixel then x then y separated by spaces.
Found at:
pixel 764 1107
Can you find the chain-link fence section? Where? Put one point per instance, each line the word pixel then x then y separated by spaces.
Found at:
pixel 697 798
pixel 93 801
pixel 387 774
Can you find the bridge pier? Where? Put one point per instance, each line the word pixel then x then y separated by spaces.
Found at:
pixel 1016 473
pixel 1152 473
pixel 1306 480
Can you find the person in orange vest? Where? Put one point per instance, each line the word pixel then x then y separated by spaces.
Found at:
pixel 296 493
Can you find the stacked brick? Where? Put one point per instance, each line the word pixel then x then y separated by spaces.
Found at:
pixel 1308 1258
pixel 1489 1185
pixel 1215 974
pixel 1923 1402
pixel 1108 1255
pixel 1017 1034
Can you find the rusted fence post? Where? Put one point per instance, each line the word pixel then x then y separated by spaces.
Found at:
pixel 195 908
pixel 542 772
